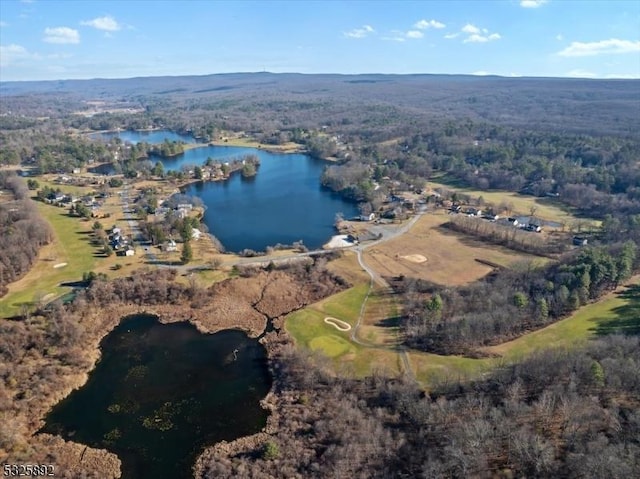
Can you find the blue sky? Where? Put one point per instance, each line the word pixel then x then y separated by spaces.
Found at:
pixel 48 39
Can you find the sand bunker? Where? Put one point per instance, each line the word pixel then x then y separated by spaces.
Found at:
pixel 415 258
pixel 337 323
pixel 59 265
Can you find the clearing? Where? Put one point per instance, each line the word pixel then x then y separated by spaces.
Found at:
pixel 430 252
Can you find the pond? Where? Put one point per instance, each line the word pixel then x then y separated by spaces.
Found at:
pixel 283 203
pixel 162 392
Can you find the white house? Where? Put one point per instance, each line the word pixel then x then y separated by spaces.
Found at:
pixel 195 234
pixel 170 246
pixel 369 217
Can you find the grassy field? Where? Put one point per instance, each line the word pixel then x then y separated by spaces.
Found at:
pixel 309 330
pixel 289 147
pixel 70 245
pixel 617 312
pixel 430 252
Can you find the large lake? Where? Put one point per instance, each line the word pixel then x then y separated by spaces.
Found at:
pixel 162 392
pixel 283 203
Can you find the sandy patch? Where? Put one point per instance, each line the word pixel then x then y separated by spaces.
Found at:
pixel 338 241
pixel 415 258
pixel 59 265
pixel 337 323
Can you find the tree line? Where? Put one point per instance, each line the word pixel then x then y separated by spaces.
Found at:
pixel 22 230
pixel 509 303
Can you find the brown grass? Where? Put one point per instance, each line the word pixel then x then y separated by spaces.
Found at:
pixel 451 258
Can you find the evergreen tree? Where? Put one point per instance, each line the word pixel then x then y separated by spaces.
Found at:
pixel 187 253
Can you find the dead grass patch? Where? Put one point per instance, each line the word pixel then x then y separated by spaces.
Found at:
pixel 449 258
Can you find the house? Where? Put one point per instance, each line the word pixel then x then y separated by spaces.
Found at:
pixel 170 246
pixel 195 234
pixel 126 252
pixel 473 212
pixel 533 227
pixel 116 231
pixel 369 217
pixel 580 241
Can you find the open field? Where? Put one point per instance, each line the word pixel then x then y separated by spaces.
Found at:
pixel 379 325
pixel 546 208
pixel 430 252
pixel 347 267
pixel 617 312
pixel 311 332
pixel 70 245
pixel 289 147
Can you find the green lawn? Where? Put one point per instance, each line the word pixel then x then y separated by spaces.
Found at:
pixel 309 330
pixel 619 312
pixel 345 305
pixel 71 245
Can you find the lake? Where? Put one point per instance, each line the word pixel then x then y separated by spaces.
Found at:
pixel 162 392
pixel 148 136
pixel 283 203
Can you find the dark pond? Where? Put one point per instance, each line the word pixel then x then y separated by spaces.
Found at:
pixel 283 203
pixel 162 392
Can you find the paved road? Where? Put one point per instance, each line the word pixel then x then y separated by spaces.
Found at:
pixel 134 226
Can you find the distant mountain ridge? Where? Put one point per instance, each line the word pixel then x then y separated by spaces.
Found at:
pixel 586 105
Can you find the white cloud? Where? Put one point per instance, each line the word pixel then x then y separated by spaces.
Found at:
pixel 425 24
pixel 10 54
pixel 414 34
pixel 394 39
pixel 475 38
pixel 469 28
pixel 61 35
pixel 475 34
pixel 360 32
pixel 450 36
pixel 603 47
pixel 106 23
pixel 559 37
pixel 532 3
pixel 481 73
